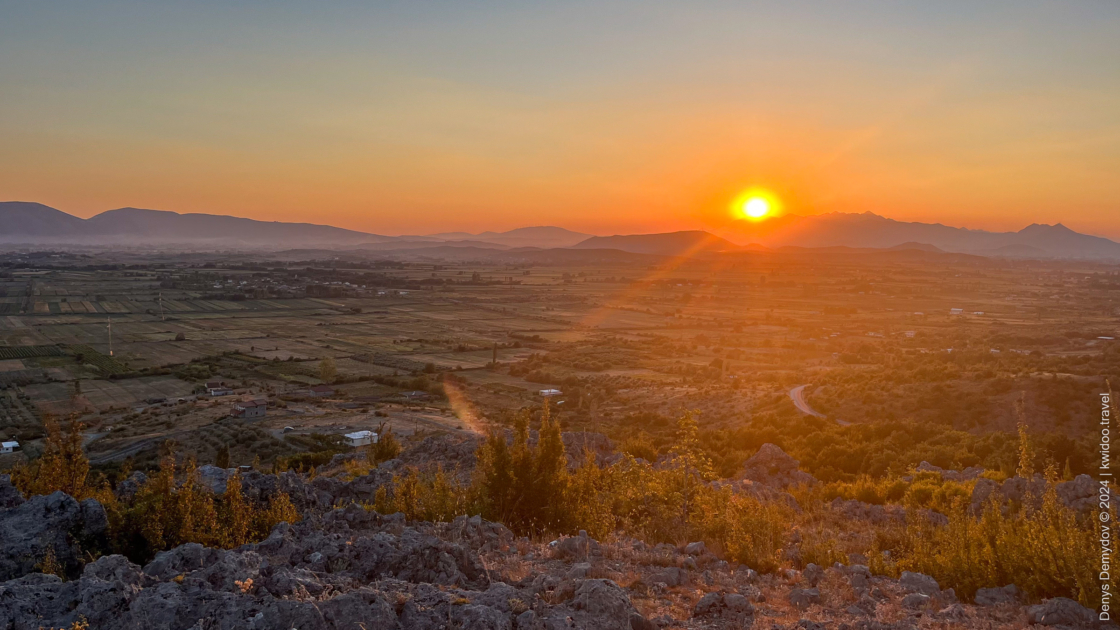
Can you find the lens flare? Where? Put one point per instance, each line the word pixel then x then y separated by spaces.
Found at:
pixel 755 204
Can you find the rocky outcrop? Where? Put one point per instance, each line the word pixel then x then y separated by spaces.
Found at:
pixel 48 529
pixel 1009 594
pixel 1061 611
pixel 347 569
pixel 883 514
pixel 454 453
pixel 771 466
pixel 968 474
pixel 1080 494
pixel 10 496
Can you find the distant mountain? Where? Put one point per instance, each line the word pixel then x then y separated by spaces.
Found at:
pixel 540 236
pixel 873 231
pixel 22 222
pixel 666 244
pixel 24 218
pixel 409 243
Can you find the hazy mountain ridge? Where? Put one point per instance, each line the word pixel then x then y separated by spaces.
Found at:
pixel 34 223
pixel 536 236
pixel 869 230
pixel 665 244
pixel 22 222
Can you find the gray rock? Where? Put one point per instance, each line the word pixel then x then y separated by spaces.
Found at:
pixel 915 601
pixel 574 547
pixel 953 612
pixel 10 496
pixel 55 524
pixel 1009 594
pixel 709 605
pixel 1060 611
pixel 579 571
pixel 737 603
pixel 803 598
pixel 1081 494
pixel 771 466
pixel 214 478
pixel 812 574
pixel 726 606
pixel 696 548
pixel 918 583
pixel 670 576
pixel 602 605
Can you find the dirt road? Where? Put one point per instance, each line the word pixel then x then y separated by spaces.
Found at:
pixel 797 395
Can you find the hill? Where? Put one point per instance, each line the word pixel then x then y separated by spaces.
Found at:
pixel 22 222
pixel 667 244
pixel 539 236
pixel 869 230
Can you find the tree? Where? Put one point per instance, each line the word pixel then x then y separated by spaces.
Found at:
pixel 385 448
pixel 221 460
pixel 552 468
pixel 62 466
pixel 690 458
pixel 327 370
pixel 237 514
pixel 1026 451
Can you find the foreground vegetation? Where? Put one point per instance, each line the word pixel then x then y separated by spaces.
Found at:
pixel 169 510
pixel 1041 546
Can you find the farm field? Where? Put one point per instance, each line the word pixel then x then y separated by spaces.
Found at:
pixel 629 345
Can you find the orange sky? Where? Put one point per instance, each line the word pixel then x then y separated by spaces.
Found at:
pixel 600 117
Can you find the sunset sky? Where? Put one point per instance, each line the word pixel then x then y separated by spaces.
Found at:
pixel 604 117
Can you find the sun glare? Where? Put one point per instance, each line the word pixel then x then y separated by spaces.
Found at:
pixel 755 205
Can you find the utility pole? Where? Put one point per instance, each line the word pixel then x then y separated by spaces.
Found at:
pixel 161 316
pixel 110 327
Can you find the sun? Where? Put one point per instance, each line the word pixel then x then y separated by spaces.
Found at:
pixel 756 207
pixel 755 204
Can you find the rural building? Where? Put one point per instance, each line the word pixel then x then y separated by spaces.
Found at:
pixel 321 390
pixel 956 311
pixel 9 447
pixel 361 438
pixel 550 392
pixel 249 409
pixel 218 388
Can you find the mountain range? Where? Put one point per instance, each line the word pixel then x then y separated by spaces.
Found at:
pixel 27 223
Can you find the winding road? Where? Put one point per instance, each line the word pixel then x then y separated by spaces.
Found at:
pixel 797 395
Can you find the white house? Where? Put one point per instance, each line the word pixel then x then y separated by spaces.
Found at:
pixel 361 438
pixel 550 392
pixel 8 447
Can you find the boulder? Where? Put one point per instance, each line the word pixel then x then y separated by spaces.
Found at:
pixel 214 478
pixel 919 583
pixel 812 574
pixel 1060 611
pixel 802 598
pixel 602 605
pixel 1009 594
pixel 915 601
pixel 696 548
pixel 968 474
pixel 10 496
pixel 48 525
pixel 773 467
pixel 726 606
